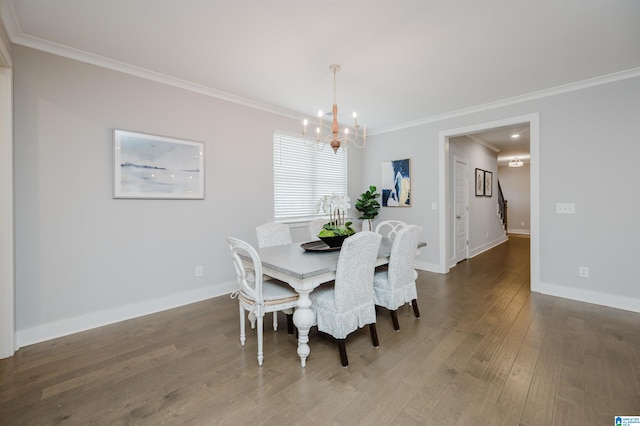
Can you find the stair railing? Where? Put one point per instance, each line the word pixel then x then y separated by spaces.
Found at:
pixel 502 209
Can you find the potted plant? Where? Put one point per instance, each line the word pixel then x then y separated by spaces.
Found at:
pixel 337 229
pixel 368 206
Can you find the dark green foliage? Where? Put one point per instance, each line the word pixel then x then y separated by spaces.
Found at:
pixel 367 205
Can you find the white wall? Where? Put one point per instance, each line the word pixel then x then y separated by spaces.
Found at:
pixel 84 259
pixel 515 182
pixel 595 127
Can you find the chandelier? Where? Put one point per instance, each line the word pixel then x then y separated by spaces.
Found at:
pixel 335 140
pixel 515 162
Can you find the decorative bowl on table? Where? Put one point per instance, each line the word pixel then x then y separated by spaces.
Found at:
pixel 335 241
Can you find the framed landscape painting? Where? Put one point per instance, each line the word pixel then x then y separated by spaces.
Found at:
pixel 396 183
pixel 148 166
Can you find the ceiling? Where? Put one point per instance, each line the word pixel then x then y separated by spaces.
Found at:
pixel 402 62
pixel 509 142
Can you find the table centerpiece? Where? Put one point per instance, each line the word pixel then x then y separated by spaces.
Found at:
pixel 337 229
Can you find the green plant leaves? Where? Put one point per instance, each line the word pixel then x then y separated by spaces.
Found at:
pixel 367 203
pixel 329 230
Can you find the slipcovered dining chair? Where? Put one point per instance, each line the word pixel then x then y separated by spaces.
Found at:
pixel 396 285
pixel 257 296
pixel 347 304
pixel 315 226
pixel 390 228
pixel 273 234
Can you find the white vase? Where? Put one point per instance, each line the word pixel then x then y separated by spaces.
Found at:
pixel 367 225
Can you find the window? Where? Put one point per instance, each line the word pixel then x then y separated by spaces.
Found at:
pixel 302 174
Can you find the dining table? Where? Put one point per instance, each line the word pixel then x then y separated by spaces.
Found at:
pixel 305 266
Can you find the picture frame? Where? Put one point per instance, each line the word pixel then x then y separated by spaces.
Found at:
pixel 396 183
pixel 157 167
pixel 479 183
pixel 488 183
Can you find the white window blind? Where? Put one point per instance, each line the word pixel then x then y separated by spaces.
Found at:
pixel 302 174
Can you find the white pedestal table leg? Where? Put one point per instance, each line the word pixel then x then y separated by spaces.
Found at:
pixel 304 319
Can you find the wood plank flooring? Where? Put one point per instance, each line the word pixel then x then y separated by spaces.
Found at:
pixel 485 352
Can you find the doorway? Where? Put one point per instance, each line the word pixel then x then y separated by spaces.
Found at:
pixel 446 219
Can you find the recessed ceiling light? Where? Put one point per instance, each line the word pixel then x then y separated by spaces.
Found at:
pixel 515 136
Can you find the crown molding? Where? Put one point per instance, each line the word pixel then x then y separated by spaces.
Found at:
pixel 17 37
pixel 100 61
pixel 570 87
pixel 483 143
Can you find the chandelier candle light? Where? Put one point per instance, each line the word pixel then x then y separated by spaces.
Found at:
pixel 334 138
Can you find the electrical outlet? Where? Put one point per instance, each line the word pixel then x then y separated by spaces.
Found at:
pixel 199 271
pixel 565 208
pixel 583 271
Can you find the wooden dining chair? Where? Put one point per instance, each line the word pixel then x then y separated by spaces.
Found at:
pixel 390 228
pixel 273 234
pixel 257 296
pixel 347 304
pixel 396 285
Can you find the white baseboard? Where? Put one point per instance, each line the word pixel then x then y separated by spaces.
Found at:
pixel 68 326
pixel 488 246
pixel 428 266
pixel 587 296
pixel 519 231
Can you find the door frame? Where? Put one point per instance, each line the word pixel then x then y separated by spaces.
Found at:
pixel 444 184
pixel 8 344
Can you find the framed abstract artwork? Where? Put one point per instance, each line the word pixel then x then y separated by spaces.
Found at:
pixel 479 182
pixel 158 167
pixel 396 183
pixel 488 184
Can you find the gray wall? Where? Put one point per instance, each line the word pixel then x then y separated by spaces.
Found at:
pixel 588 148
pixel 516 187
pixel 84 259
pixel 4 37
pixel 408 143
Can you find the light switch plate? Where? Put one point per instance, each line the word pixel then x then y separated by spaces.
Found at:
pixel 583 271
pixel 565 208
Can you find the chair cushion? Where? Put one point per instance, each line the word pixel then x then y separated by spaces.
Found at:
pixel 276 292
pixel 273 291
pixel 392 299
pixel 339 324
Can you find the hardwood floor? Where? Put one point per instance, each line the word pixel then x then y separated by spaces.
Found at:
pixel 486 351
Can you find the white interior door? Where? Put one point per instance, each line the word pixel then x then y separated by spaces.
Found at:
pixel 461 210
